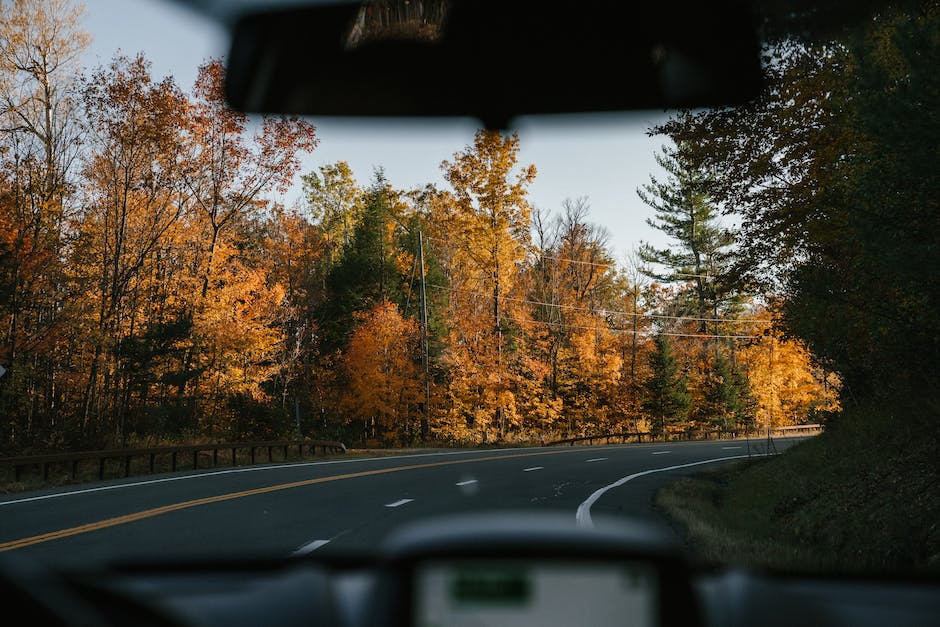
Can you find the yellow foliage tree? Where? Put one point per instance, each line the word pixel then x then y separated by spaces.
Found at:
pixel 383 378
pixel 238 328
pixel 785 384
pixel 486 219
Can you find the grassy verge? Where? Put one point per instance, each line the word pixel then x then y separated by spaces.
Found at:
pixel 862 497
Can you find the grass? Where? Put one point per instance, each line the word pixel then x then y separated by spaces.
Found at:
pixel 862 497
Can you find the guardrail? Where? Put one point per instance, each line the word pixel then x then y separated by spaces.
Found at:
pixel 45 462
pixel 810 428
pixel 694 434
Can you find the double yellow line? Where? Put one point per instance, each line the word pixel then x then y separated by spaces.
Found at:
pixel 175 507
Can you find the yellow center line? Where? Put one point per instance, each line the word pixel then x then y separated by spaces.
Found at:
pixel 175 507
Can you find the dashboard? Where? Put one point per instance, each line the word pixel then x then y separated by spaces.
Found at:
pixel 498 569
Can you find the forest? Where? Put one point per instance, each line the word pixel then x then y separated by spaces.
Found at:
pixel 156 286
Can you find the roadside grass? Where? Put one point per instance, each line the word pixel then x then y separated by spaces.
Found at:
pixel 862 497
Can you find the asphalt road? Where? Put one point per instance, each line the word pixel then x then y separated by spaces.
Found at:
pixel 343 506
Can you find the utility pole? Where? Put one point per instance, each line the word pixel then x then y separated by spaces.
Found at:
pixel 425 422
pixel 773 399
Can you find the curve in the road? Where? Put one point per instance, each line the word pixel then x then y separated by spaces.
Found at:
pixel 583 515
pixel 157 511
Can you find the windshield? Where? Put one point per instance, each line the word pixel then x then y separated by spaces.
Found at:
pixel 294 334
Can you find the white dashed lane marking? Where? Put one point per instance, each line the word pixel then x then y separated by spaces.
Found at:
pixel 533 468
pixel 310 547
pixel 399 503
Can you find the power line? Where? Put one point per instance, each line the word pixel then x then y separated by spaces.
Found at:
pixel 604 311
pixel 605 265
pixel 578 261
pixel 621 330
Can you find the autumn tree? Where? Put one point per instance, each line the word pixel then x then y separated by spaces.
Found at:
pixel 487 215
pixel 786 385
pixel 134 194
pixel 40 42
pixel 382 373
pixel 573 283
pixel 228 170
pixel 636 301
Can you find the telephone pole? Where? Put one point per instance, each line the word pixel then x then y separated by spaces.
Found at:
pixel 425 422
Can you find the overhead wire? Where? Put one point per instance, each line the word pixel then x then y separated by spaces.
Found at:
pixel 670 334
pixel 605 311
pixel 605 264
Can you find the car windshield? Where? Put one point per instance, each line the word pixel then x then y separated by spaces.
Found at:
pixel 231 334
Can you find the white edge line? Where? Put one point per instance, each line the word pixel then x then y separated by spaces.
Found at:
pixel 259 468
pixel 310 547
pixel 583 515
pixel 533 468
pixel 247 469
pixel 399 503
pixel 467 482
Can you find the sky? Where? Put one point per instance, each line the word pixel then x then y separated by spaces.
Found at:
pixel 604 158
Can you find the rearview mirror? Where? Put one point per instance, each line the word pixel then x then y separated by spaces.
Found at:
pixel 491 59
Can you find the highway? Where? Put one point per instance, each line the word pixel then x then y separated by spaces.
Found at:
pixel 343 506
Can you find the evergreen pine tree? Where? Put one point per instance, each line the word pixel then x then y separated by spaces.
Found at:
pixel 667 396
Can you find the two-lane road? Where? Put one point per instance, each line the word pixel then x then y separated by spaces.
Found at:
pixel 342 505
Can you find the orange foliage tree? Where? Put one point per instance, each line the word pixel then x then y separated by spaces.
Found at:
pixel 382 375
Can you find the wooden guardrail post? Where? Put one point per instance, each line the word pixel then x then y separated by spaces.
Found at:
pixel 42 464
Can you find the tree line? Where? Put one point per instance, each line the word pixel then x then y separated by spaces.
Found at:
pixel 152 287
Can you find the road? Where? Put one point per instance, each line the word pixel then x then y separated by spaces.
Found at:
pixel 345 505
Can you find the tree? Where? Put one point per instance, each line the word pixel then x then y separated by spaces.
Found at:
pixel 40 42
pixel 487 216
pixel 786 386
pixel 366 273
pixel 335 202
pixel 134 197
pixel 228 171
pixel 838 200
pixel 667 397
pixel 688 216
pixel 573 280
pixel 382 373
pixel 728 402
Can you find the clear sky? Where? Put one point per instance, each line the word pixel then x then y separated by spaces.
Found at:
pixel 604 158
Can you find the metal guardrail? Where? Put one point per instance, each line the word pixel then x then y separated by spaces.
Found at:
pixel 45 462
pixel 695 434
pixel 809 428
